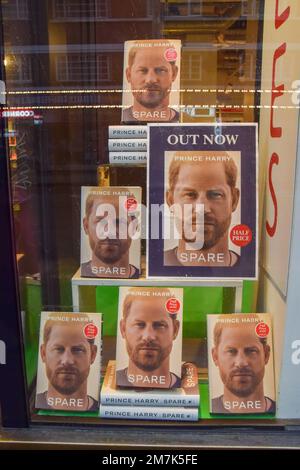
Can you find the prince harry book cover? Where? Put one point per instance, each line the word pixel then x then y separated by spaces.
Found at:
pixel 69 363
pixel 240 364
pixel 149 338
pixel 151 81
pixel 110 232
pixel 203 178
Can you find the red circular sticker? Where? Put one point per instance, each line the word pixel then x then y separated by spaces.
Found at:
pixel 172 305
pixel 262 329
pixel 241 235
pixel 90 331
pixel 131 204
pixel 171 54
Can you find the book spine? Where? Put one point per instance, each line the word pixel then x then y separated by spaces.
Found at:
pixel 127 157
pixel 127 132
pixel 189 401
pixel 148 413
pixel 127 145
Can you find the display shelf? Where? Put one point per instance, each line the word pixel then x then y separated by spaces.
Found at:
pixel 77 281
pixel 272 436
pixel 194 350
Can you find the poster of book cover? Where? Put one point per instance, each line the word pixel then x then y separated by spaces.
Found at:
pixel 151 81
pixel 110 232
pixel 149 337
pixel 202 201
pixel 69 362
pixel 240 364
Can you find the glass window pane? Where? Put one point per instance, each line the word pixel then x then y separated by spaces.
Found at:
pixel 64 65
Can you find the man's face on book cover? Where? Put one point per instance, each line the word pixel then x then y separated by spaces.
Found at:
pixel 149 332
pixel 110 248
pixel 204 183
pixel 151 77
pixel 241 358
pixel 67 356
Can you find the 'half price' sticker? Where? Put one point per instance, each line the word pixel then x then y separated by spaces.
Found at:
pixel 90 331
pixel 173 305
pixel 241 235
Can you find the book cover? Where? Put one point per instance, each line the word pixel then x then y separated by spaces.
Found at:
pixel 69 362
pixel 123 175
pixel 240 364
pixel 148 413
pixel 186 396
pixel 127 145
pixel 203 179
pixel 110 232
pixel 151 81
pixel 127 157
pixel 149 337
pixel 127 132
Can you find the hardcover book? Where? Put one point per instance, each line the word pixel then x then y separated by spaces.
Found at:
pixel 110 232
pixel 186 396
pixel 126 158
pixel 149 337
pixel 203 179
pixel 240 364
pixel 69 363
pixel 149 413
pixel 127 145
pixel 151 81
pixel 127 132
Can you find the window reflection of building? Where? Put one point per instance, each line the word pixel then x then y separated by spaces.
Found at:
pixel 79 67
pixel 79 9
pixel 249 8
pixel 187 8
pixel 15 9
pixel 191 66
pixel 71 52
pixel 19 69
pixel 150 7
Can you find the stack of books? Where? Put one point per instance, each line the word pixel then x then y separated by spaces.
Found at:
pixel 127 144
pixel 181 404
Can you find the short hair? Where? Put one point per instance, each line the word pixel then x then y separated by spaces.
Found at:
pixel 230 169
pixel 134 49
pixel 220 325
pixel 56 319
pixel 131 297
pixel 89 202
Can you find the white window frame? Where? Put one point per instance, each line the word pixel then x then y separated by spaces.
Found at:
pixel 16 62
pixel 189 4
pixel 149 8
pixel 15 10
pixel 108 65
pixel 91 15
pixel 70 76
pixel 187 63
pixel 249 8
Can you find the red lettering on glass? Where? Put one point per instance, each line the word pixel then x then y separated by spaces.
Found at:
pixel 277 91
pixel 271 229
pixel 280 19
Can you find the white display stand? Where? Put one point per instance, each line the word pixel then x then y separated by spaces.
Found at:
pixel 78 281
